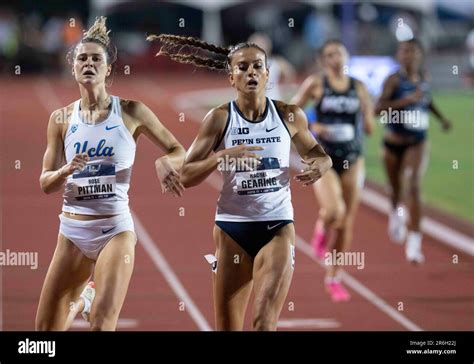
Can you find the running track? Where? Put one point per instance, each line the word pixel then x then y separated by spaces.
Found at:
pixel 171 285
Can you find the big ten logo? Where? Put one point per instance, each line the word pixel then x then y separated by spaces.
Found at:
pixel 239 131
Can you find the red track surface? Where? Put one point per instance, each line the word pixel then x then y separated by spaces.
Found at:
pixel 435 296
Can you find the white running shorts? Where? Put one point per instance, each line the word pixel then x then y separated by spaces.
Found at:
pixel 91 236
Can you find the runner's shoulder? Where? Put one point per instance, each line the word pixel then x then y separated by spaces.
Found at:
pixel 288 112
pixel 393 79
pixel 61 117
pixel 136 113
pixel 216 119
pixel 132 108
pixel 220 112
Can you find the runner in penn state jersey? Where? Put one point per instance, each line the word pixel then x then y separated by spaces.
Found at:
pixel 248 140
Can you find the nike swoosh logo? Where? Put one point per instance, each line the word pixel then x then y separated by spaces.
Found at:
pixel 106 231
pixel 274 226
pixel 111 127
pixel 269 130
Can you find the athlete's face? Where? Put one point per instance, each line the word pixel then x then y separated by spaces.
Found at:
pixel 90 64
pixel 409 54
pixel 248 73
pixel 334 56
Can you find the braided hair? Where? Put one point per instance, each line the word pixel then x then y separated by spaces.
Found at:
pixel 190 50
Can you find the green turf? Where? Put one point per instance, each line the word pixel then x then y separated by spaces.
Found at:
pixel 444 186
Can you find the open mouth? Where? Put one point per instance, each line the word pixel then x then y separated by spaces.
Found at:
pixel 252 83
pixel 88 73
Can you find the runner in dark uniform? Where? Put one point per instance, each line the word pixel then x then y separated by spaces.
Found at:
pixel 339 111
pixel 404 107
pixel 344 112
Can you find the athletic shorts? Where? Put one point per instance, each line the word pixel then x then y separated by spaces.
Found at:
pixel 252 236
pixel 91 236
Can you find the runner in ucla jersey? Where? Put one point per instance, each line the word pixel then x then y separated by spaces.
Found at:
pixel 248 140
pixel 91 150
pixel 343 113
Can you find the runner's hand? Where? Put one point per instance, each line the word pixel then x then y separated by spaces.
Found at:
pixel 312 172
pixel 76 164
pixel 446 125
pixel 168 177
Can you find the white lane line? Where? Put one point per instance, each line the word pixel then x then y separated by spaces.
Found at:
pixel 365 292
pixel 121 324
pixel 369 197
pixel 160 262
pixel 315 323
pixel 215 181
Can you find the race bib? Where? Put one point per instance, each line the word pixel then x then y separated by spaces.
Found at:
pixel 96 181
pixel 263 180
pixel 339 133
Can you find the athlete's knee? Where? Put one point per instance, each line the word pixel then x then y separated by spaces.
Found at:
pixel 334 215
pixel 339 213
pixel 347 221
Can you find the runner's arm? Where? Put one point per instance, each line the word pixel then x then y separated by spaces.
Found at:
pixel 167 166
pixel 54 172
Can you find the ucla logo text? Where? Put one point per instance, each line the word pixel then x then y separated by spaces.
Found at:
pixel 100 151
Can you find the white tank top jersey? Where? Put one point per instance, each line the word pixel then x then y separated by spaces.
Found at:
pixel 263 194
pixel 102 187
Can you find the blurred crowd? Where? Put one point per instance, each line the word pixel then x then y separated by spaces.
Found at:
pixel 37 44
pixel 38 41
